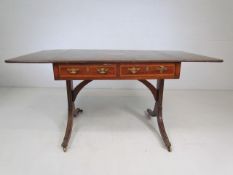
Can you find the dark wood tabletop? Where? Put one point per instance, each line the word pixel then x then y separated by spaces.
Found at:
pixel 109 56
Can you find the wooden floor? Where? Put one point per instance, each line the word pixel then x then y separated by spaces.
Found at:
pixel 113 136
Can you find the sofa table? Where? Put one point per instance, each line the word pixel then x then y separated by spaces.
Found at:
pixel 89 65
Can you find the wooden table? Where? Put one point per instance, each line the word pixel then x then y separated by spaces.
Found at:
pixel 89 65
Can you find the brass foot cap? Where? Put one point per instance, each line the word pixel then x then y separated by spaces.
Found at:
pixel 169 148
pixel 64 149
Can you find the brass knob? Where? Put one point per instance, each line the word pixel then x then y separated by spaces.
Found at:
pixel 161 69
pixel 134 70
pixel 102 70
pixel 72 70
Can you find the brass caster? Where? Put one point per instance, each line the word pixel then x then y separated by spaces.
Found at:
pixel 64 149
pixel 169 148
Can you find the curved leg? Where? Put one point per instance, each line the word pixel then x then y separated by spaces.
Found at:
pixel 157 93
pixel 154 93
pixel 150 86
pixel 75 93
pixel 77 111
pixel 79 87
pixel 69 87
pixel 71 96
pixel 163 133
pixel 158 108
pixel 158 96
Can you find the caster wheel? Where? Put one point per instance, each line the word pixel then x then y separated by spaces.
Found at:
pixel 169 149
pixel 64 149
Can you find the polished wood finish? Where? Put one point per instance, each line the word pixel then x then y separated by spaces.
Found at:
pixel 69 88
pixel 157 93
pixel 158 112
pixel 89 65
pixel 150 87
pixel 118 71
pixel 110 56
pixel 79 87
pixel 160 70
pixel 86 71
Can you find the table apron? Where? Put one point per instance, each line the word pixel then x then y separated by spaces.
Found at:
pixel 116 71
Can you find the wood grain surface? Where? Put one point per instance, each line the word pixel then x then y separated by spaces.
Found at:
pixel 116 71
pixel 110 56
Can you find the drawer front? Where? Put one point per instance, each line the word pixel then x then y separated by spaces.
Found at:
pixel 161 70
pixel 74 71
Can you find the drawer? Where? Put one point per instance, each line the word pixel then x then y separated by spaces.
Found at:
pixel 76 71
pixel 161 70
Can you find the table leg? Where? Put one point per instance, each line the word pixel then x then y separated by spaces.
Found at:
pixel 158 95
pixel 154 93
pixel 75 93
pixel 72 112
pixel 158 110
pixel 77 111
pixel 69 88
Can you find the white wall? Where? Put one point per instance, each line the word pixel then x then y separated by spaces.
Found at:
pixel 200 26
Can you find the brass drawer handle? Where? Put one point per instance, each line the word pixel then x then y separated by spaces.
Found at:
pixel 161 69
pixel 134 70
pixel 73 70
pixel 102 70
